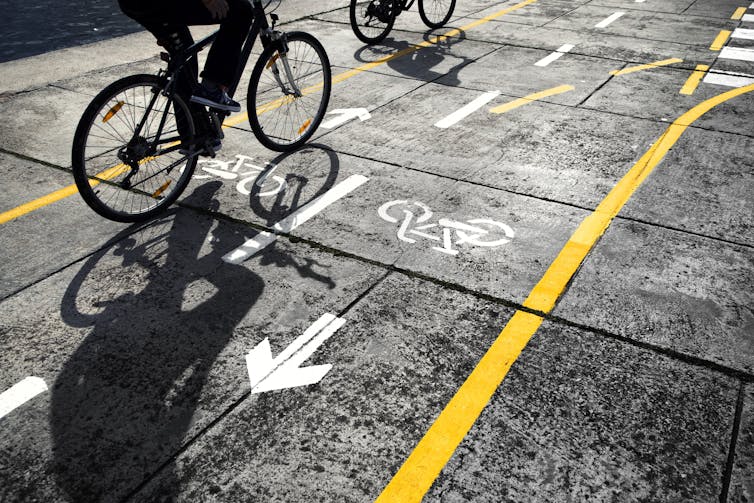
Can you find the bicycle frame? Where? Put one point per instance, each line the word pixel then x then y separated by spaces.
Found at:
pixel 176 63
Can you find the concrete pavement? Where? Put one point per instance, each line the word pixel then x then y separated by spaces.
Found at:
pixel 637 386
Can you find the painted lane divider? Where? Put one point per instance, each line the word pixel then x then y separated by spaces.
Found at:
pixel 267 373
pixel 728 79
pixel 648 66
pixel 693 81
pixel 743 34
pixel 737 53
pixel 609 20
pixel 20 393
pixel 738 13
pixel 720 40
pixel 346 114
pixel 531 98
pixel 748 18
pixel 563 49
pixel 417 474
pixel 295 219
pixel 467 110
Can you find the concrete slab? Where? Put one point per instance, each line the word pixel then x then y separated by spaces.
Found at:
pixel 669 6
pixel 672 290
pixel 692 30
pixel 406 348
pixel 39 243
pixel 143 345
pixel 620 49
pixel 703 186
pixel 583 418
pixel 723 9
pixel 628 95
pixel 540 13
pixel 40 124
pixel 742 480
pixel 343 440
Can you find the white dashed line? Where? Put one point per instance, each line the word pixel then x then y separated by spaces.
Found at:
pixel 555 55
pixel 604 23
pixel 20 393
pixel 738 53
pixel 292 221
pixel 748 18
pixel 728 80
pixel 743 33
pixel 467 110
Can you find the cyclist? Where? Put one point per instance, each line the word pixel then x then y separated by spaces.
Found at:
pixel 168 21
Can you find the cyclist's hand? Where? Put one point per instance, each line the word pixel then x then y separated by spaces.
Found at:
pixel 218 8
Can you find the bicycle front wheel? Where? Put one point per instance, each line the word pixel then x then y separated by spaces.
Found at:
pixel 123 163
pixel 289 92
pixel 371 20
pixel 435 13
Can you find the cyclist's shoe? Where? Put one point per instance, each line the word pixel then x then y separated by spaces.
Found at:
pixel 216 98
pixel 207 151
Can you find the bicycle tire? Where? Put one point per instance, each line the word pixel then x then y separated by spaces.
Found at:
pixel 104 181
pixel 358 11
pixel 438 14
pixel 271 110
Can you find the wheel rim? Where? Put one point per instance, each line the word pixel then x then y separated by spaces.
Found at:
pixel 437 11
pixel 372 18
pixel 126 173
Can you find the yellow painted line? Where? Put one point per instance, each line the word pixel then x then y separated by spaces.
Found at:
pixel 532 97
pixel 720 40
pixel 243 117
pixel 739 13
pixel 694 79
pixel 649 66
pixel 434 450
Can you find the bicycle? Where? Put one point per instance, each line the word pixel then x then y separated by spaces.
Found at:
pixel 372 20
pixel 136 145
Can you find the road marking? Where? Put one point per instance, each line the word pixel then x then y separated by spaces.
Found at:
pixel 728 79
pixel 738 13
pixel 693 81
pixel 748 18
pixel 37 203
pixel 555 55
pixel 295 219
pixel 346 114
pixel 243 117
pixel 720 40
pixel 284 371
pixel 648 66
pixel 609 20
pixel 467 110
pixel 20 393
pixel 743 34
pixel 737 53
pixel 532 97
pixel 417 474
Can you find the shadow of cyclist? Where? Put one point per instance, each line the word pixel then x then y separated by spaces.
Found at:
pixel 125 400
pixel 420 64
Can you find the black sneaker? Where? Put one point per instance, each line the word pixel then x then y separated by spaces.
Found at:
pixel 217 99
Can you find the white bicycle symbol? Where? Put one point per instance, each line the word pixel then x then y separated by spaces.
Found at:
pixel 477 231
pixel 269 184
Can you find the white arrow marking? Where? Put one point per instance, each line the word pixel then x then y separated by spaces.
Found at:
pixel 268 374
pixel 346 114
pixel 292 221
pixel 20 393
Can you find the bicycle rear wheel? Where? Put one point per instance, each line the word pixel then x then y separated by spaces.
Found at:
pixel 371 20
pixel 288 93
pixel 124 176
pixel 435 13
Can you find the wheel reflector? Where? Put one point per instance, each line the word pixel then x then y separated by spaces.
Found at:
pixel 113 111
pixel 304 126
pixel 161 189
pixel 272 61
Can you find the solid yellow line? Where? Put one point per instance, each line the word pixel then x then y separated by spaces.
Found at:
pixel 739 13
pixel 426 461
pixel 648 66
pixel 528 99
pixel 694 79
pixel 720 40
pixel 242 117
